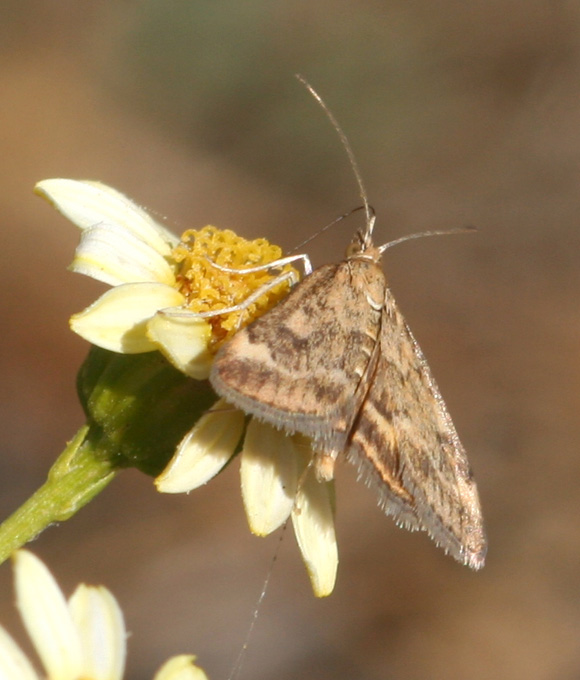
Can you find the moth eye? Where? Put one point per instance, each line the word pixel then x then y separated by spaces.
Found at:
pixel 355 247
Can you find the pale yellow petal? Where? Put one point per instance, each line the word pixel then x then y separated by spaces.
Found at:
pixel 114 255
pixel 180 668
pixel 204 451
pixel 183 338
pixel 269 477
pixel 118 319
pixel 101 628
pixel 88 203
pixel 13 663
pixel 313 521
pixel 46 616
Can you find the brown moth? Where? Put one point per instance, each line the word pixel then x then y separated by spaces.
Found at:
pixel 336 361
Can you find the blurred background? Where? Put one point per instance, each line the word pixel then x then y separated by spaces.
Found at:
pixel 459 114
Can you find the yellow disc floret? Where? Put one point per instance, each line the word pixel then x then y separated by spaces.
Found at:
pixel 208 289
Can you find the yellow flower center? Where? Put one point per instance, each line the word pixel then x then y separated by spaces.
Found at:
pixel 209 289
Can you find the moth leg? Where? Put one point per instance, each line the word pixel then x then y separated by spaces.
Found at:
pixel 324 465
pixel 285 276
pixel 271 265
pixel 289 276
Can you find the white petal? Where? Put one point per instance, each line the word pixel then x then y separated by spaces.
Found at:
pixel 118 319
pixel 13 663
pixel 183 338
pixel 114 255
pixel 47 618
pixel 204 451
pixel 313 520
pixel 89 203
pixel 180 668
pixel 101 628
pixel 269 477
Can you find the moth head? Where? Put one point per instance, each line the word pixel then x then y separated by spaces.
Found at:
pixel 362 243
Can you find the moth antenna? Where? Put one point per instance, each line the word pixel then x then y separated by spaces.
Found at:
pixel 420 234
pixel 370 217
pixel 331 224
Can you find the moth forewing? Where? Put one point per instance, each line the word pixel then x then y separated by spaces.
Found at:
pixel 405 445
pixel 301 365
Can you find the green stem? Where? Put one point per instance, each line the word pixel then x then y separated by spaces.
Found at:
pixel 80 472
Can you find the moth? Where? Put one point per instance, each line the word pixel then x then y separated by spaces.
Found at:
pixel 336 361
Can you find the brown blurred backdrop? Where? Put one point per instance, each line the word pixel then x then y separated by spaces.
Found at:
pixel 459 113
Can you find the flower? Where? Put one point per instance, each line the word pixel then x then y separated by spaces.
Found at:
pixel 180 668
pixel 83 637
pixel 185 297
pixel 168 294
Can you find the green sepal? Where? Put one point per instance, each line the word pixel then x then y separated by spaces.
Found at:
pixel 142 405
